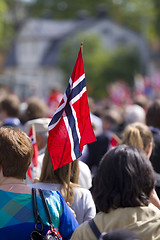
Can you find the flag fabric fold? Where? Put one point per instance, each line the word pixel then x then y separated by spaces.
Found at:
pixel 70 128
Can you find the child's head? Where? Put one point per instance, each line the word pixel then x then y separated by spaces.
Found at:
pixel 139 135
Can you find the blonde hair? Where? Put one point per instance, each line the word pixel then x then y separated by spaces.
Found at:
pixel 60 175
pixel 138 135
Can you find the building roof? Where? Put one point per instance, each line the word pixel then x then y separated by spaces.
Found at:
pixel 54 32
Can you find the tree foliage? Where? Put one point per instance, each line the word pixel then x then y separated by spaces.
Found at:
pixel 141 16
pixel 102 66
pixel 6 30
pixel 157 16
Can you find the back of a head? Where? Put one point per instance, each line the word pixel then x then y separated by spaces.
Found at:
pixel 134 113
pixel 119 234
pixel 142 100
pixel 111 119
pixel 122 179
pixel 112 115
pixel 36 109
pixel 137 134
pixel 40 126
pixel 11 105
pixel 15 152
pixel 153 114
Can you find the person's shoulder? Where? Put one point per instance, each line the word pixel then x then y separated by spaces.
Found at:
pixel 156 133
pixel 54 201
pixel 156 138
pixel 82 193
pixel 45 186
pixel 83 167
pixel 152 209
pixel 52 194
pixel 83 232
pixel 81 190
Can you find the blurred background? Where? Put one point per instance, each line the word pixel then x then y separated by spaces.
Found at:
pixel 40 40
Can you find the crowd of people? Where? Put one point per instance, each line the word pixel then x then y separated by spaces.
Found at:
pixel 114 188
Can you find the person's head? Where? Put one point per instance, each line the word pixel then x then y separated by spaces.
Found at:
pixel 60 175
pixel 10 106
pixel 138 135
pixel 134 113
pixel 41 130
pixel 15 152
pixel 119 234
pixel 142 100
pixel 153 114
pixel 111 118
pixel 36 108
pixel 124 179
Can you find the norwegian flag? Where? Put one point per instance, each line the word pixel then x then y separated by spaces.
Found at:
pixel 70 128
pixel 34 162
pixel 114 141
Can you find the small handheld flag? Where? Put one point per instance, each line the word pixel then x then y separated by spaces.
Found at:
pixel 34 162
pixel 114 141
pixel 70 128
pixel 35 148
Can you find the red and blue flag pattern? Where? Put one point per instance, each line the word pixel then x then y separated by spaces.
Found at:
pixel 70 128
pixel 34 162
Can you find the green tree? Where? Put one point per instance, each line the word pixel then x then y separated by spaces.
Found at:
pixel 135 14
pixel 157 16
pixel 102 66
pixel 61 8
pixel 141 16
pixel 6 30
pixel 12 15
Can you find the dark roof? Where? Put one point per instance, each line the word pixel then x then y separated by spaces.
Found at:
pixel 51 55
pixel 56 31
pixel 11 58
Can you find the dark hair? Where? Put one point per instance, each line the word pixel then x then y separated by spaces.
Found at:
pixel 11 105
pixel 124 179
pixel 153 114
pixel 36 108
pixel 15 152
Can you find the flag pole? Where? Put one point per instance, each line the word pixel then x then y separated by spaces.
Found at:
pixel 34 139
pixel 34 132
pixel 69 166
pixel 117 138
pixel 68 182
pixel 81 46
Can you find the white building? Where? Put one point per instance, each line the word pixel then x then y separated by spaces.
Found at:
pixel 32 65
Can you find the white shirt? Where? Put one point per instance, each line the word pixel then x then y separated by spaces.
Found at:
pixel 85 177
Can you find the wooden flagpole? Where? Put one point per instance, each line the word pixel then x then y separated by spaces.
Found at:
pixel 34 132
pixel 68 182
pixel 81 46
pixel 69 167
pixel 34 139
